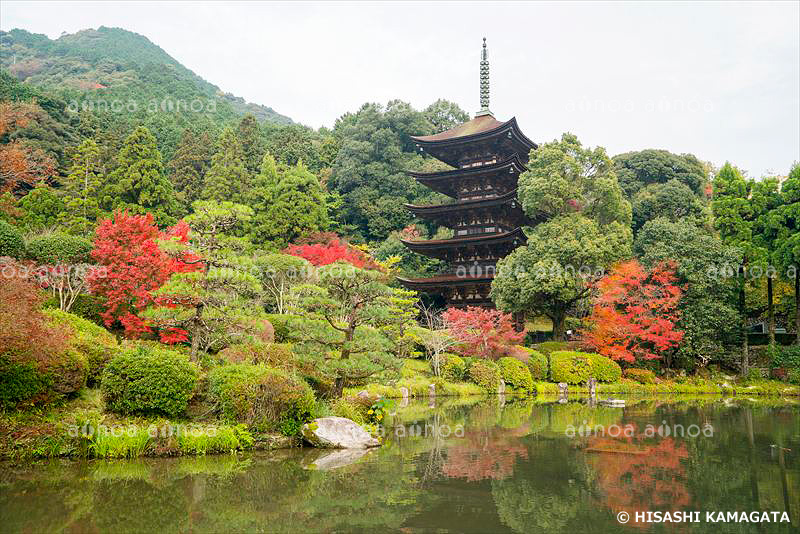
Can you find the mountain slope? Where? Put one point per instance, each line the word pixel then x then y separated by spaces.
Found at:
pixel 115 64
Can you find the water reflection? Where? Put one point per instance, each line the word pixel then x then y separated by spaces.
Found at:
pixel 516 467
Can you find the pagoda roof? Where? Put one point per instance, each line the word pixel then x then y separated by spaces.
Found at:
pixel 479 125
pixel 457 206
pixel 444 280
pixel 488 240
pixel 443 181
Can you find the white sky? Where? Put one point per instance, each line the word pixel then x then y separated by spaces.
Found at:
pixel 720 80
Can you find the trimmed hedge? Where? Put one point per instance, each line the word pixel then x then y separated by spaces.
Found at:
pixel 570 367
pixel 516 374
pixel 20 382
pixel 454 368
pixel 263 397
pixel 58 248
pixel 147 379
pixel 96 344
pixel 605 369
pixel 283 326
pixel 643 376
pixel 537 363
pixel 486 374
pixel 578 367
pixel 11 243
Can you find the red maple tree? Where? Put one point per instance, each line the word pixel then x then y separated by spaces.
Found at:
pixel 131 266
pixel 635 312
pixel 482 332
pixel 330 250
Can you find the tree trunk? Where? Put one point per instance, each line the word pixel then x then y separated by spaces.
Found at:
pixel 770 312
pixel 559 328
pixel 743 311
pixel 338 387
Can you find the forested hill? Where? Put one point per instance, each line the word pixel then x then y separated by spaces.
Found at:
pixel 121 74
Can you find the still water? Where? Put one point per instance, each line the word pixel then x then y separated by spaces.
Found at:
pixel 460 466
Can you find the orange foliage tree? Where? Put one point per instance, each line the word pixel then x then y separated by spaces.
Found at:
pixel 635 312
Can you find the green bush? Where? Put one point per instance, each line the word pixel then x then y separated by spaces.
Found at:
pixel 58 248
pixel 147 379
pixel 11 243
pixel 605 369
pixel 272 354
pixel 454 368
pixel 537 363
pixel 263 397
pixel 350 409
pixel 88 307
pixel 486 374
pixel 96 344
pixel 20 382
pixel 516 374
pixel 785 357
pixel 284 326
pixel 570 367
pixel 643 376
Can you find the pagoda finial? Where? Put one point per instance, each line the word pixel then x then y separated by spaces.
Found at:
pixel 484 82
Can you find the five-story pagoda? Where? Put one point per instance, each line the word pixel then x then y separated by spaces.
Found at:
pixel 487 156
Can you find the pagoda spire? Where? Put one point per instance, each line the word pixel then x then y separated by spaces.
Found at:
pixel 484 82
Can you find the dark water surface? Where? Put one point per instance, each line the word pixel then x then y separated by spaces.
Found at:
pixel 493 466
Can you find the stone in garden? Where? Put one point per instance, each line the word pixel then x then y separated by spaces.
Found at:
pixel 337 433
pixel 592 383
pixel 404 392
pixel 432 390
pixel 501 388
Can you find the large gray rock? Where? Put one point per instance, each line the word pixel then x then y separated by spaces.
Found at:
pixel 337 433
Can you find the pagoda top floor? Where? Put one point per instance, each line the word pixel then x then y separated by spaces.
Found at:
pixel 481 141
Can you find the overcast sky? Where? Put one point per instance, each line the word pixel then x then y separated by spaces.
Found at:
pixel 720 80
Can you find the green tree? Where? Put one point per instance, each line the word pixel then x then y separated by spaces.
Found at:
pixel 673 200
pixel 784 232
pixel 350 316
pixel 707 268
pixel 138 184
pixel 586 229
pixel 734 217
pixel 227 179
pixel 290 203
pixel 250 137
pixel 217 304
pixel 189 165
pixel 82 189
pixel 640 169
pixel 444 115
pixel 41 208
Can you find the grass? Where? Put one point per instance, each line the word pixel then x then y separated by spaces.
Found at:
pixel 690 386
pixel 131 442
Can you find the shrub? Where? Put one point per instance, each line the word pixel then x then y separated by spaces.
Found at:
pixel 20 382
pixel 349 409
pixel 58 248
pixel 96 344
pixel 284 326
pixel 454 368
pixel 11 243
pixel 272 354
pixel 785 357
pixel 570 367
pixel 537 363
pixel 605 369
pixel 643 376
pixel 486 374
pixel 516 374
pixel 147 379
pixel 263 397
pixel 89 307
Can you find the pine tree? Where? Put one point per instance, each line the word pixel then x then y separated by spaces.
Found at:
pixel 82 189
pixel 138 184
pixel 190 164
pixel 298 207
pixel 227 179
pixel 253 147
pixel 260 199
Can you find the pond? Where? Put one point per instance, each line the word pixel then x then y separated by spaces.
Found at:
pixel 464 465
